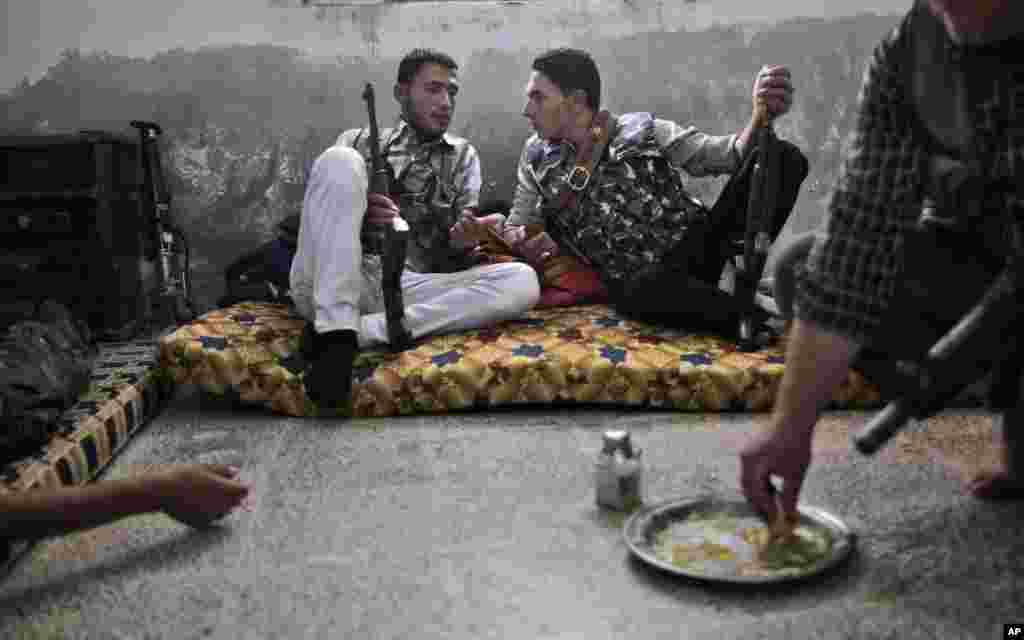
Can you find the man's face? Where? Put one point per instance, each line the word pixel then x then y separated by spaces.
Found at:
pixel 428 100
pixel 550 112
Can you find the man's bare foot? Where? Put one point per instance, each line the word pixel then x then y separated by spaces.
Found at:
pixel 1002 479
pixel 996 483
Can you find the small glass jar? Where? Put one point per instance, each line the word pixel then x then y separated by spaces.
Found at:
pixel 618 473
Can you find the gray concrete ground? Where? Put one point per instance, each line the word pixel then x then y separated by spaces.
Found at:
pixel 484 526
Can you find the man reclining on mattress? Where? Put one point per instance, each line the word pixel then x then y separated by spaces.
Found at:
pixel 336 284
pixel 657 250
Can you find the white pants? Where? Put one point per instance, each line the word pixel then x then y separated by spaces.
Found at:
pixel 336 287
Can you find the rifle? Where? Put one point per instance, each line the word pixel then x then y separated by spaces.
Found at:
pixel 170 240
pixel 396 236
pixel 764 188
pixel 961 356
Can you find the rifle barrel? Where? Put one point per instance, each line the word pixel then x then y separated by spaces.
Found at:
pixel 380 177
pixel 883 426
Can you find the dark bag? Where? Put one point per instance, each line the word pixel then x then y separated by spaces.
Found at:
pixel 263 275
pixel 73 226
pixel 45 365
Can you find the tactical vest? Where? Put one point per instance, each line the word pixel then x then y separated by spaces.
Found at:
pixel 634 211
pixel 425 192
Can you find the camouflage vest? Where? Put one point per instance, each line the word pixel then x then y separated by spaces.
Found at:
pixel 426 194
pixel 633 213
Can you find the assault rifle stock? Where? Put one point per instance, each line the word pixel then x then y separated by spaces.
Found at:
pixel 963 355
pixel 395 235
pixel 764 188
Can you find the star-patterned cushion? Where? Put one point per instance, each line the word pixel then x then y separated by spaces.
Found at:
pixel 584 354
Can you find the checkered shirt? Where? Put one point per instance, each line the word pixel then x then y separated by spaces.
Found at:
pixel 889 174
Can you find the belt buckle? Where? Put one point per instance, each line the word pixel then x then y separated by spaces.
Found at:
pixel 574 181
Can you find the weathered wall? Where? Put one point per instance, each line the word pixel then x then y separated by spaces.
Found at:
pixel 247 108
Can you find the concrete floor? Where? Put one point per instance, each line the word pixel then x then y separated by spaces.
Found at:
pixel 484 526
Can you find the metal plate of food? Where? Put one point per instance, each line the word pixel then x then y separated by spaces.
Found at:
pixel 723 540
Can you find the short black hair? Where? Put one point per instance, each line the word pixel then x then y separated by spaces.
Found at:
pixel 571 70
pixel 411 63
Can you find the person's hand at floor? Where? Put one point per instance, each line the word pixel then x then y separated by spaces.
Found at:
pixel 199 494
pixel 817 363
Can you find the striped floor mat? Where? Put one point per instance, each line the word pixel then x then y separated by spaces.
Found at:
pixel 127 389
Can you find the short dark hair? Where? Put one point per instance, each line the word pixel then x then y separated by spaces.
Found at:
pixel 571 70
pixel 411 63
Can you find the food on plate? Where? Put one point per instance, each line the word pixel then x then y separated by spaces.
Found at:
pixel 687 554
pixel 783 527
pixel 801 549
pixel 722 543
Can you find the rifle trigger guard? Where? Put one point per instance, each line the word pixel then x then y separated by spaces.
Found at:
pixel 578 183
pixel 762 242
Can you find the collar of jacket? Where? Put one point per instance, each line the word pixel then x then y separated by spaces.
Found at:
pixel 631 129
pixel 407 134
pixel 543 155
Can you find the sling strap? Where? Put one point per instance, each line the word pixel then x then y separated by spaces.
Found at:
pixel 588 155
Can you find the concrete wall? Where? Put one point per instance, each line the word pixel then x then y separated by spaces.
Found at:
pixel 245 122
pixel 37 30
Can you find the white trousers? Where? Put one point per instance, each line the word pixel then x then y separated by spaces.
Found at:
pixel 336 287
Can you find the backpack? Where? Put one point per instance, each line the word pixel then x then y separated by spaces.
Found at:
pixel 45 365
pixel 636 209
pixel 263 274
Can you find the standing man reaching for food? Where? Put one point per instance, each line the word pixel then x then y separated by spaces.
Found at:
pixel 940 112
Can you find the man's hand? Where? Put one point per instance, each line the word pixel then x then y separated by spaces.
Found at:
pixel 781 452
pixel 465 234
pixel 774 87
pixel 534 249
pixel 199 494
pixel 380 209
pixel 817 362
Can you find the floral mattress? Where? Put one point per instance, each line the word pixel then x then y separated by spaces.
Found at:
pixel 563 355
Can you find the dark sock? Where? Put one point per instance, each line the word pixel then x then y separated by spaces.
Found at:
pixel 329 378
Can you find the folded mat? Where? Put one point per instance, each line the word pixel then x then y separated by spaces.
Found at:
pixel 127 388
pixel 565 355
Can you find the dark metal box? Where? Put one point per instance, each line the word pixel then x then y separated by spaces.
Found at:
pixel 74 225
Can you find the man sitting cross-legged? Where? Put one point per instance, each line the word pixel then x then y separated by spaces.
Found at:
pixel 657 249
pixel 336 284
